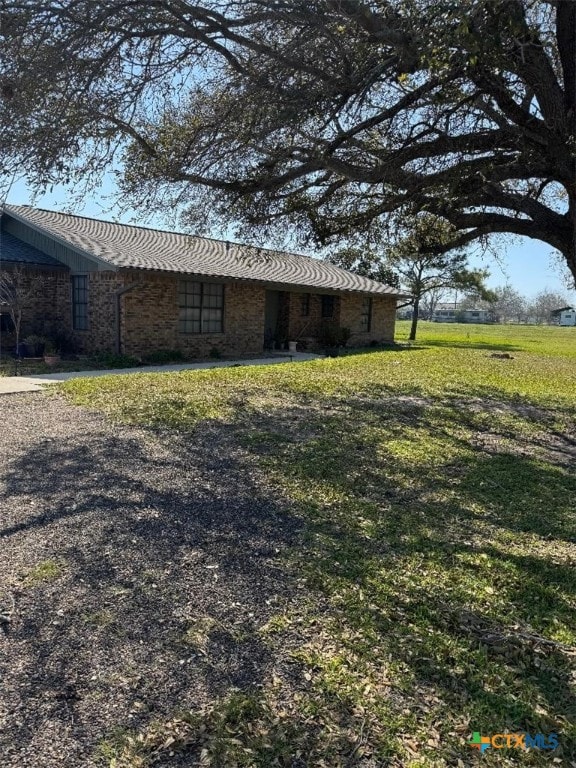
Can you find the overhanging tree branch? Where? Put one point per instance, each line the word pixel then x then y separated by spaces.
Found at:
pixel 327 114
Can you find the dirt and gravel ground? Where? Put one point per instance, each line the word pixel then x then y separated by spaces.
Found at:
pixel 135 571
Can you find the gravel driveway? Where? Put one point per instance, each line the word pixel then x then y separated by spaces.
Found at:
pixel 140 565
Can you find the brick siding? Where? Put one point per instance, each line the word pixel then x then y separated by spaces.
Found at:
pixel 308 327
pixel 383 319
pixel 48 307
pixel 149 315
pixel 347 314
pixel 150 319
pixel 101 333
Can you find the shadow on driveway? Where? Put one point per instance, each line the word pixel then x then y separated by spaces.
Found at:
pixel 142 569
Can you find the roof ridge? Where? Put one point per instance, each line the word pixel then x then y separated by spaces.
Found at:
pixel 107 221
pixel 174 232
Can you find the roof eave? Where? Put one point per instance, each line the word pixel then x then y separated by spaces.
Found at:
pixel 271 284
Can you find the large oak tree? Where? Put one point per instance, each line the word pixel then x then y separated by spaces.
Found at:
pixel 328 115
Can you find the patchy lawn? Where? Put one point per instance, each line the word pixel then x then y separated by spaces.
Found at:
pixel 430 570
pixel 549 340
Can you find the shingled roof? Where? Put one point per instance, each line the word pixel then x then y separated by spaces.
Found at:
pixel 16 252
pixel 127 246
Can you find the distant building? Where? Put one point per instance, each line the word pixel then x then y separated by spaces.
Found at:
pixel 453 313
pixel 565 316
pixel 405 313
pixel 445 313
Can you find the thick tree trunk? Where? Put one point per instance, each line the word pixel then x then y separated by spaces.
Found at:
pixel 571 255
pixel 414 325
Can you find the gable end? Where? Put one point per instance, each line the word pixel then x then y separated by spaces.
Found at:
pixel 69 257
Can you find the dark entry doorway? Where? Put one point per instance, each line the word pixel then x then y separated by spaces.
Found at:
pixel 271 315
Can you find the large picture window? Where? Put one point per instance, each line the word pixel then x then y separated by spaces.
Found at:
pixel 80 302
pixel 201 307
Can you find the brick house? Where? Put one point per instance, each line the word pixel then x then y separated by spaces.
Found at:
pixel 129 289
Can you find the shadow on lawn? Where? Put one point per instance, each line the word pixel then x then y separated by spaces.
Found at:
pixel 172 556
pixel 427 539
pixel 411 346
pixel 166 562
pixel 490 346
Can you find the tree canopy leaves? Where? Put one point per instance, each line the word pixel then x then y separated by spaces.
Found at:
pixel 366 262
pixel 329 116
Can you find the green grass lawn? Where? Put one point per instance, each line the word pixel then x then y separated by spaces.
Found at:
pixel 543 340
pixel 437 492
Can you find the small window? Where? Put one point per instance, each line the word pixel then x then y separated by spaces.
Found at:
pixel 305 305
pixel 366 320
pixel 328 303
pixel 80 302
pixel 201 307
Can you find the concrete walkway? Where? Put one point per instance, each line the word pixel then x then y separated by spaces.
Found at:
pixel 14 384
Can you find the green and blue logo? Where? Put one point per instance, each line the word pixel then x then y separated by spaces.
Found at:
pixel 513 741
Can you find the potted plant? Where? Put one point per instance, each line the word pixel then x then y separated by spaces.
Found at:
pixel 51 353
pixel 344 336
pixel 332 337
pixel 35 344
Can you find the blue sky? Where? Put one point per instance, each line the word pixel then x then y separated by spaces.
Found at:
pixel 525 264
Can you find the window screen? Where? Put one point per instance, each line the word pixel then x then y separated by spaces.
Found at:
pixel 366 320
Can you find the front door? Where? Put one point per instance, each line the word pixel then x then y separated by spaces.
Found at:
pixel 271 312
